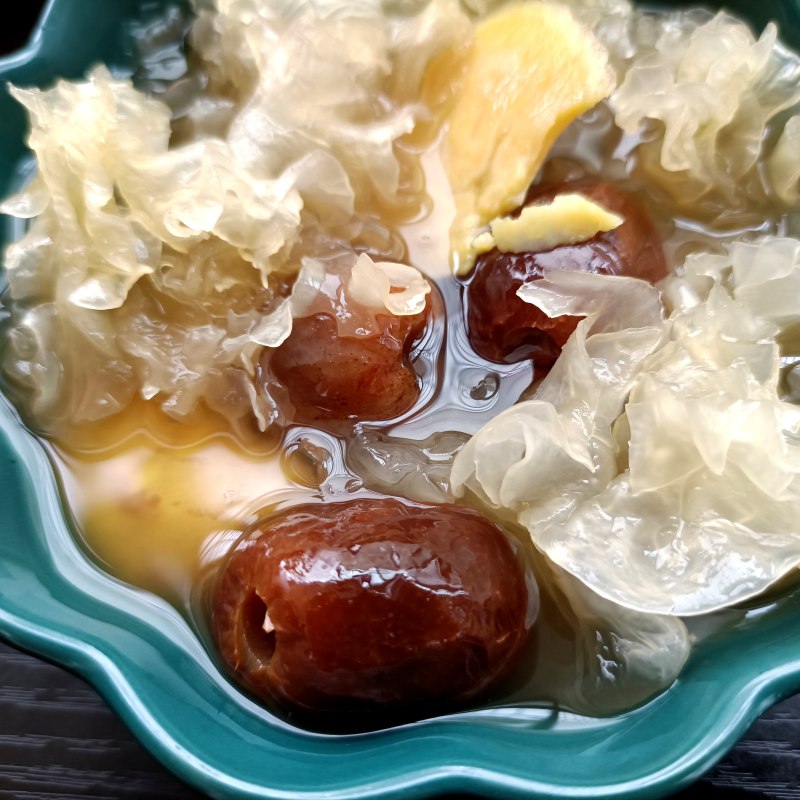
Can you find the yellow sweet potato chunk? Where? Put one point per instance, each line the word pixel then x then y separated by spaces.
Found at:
pixel 567 219
pixel 531 70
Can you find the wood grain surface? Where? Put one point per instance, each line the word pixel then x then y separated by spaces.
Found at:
pixel 60 741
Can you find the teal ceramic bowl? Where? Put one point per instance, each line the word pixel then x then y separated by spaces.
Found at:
pixel 143 657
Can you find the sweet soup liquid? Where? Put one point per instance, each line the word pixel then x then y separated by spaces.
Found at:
pixel 158 502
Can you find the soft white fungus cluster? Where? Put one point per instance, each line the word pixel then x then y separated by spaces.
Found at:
pixel 657 463
pixel 147 267
pixel 714 90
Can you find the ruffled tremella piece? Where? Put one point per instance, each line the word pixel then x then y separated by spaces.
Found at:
pixel 670 484
pixel 783 165
pixel 147 268
pixel 541 457
pixel 86 375
pixel 383 286
pixel 354 290
pixel 112 204
pixel 705 515
pixel 622 657
pixel 341 77
pixel 762 275
pixel 713 88
pixel 113 194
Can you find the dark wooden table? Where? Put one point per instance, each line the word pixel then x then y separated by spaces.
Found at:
pixel 60 741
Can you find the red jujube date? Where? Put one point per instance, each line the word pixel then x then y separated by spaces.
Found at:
pixel 370 604
pixel 333 377
pixel 504 328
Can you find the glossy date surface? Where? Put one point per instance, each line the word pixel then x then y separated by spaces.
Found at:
pixel 370 604
pixel 333 377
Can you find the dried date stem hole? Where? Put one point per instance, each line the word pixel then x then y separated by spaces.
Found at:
pixel 371 604
pixel 257 630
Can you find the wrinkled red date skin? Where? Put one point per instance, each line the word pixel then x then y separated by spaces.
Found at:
pixel 332 377
pixel 374 603
pixel 505 329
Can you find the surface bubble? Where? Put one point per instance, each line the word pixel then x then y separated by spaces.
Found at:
pixel 478 385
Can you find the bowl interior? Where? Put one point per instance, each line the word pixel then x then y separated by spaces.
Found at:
pixel 150 665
